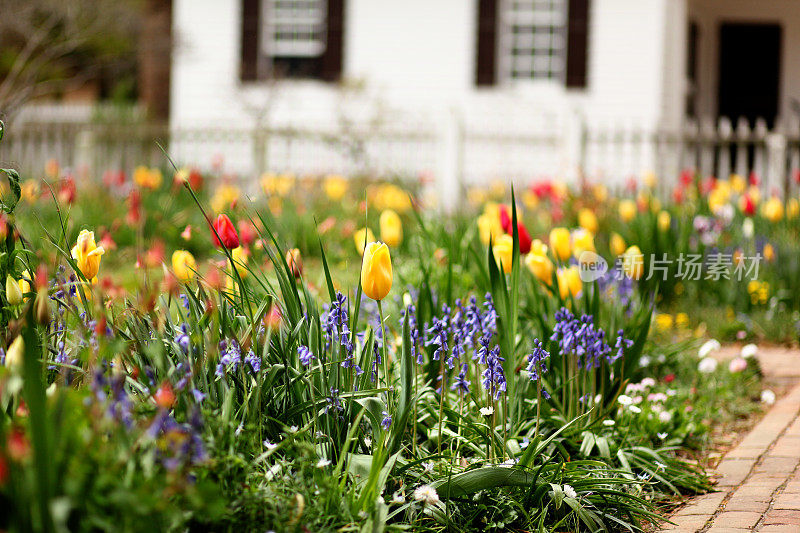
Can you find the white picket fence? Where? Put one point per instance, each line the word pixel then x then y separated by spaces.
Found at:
pixel 454 155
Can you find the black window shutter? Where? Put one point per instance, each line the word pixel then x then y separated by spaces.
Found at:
pixel 485 67
pixel 250 52
pixel 577 43
pixel 332 58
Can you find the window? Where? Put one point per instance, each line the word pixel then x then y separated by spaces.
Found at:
pixel 291 39
pixel 294 28
pixel 533 39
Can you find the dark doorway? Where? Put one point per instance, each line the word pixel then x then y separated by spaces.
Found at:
pixel 749 71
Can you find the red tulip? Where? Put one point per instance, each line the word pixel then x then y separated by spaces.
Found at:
pixel 524 236
pixel 227 233
pixel 505 219
pixel 749 207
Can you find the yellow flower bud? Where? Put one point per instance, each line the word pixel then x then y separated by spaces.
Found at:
pixel 489 228
pixel 13 292
pixel 792 208
pixel 587 220
pixel 335 187
pixel 239 256
pixel 769 252
pixel 569 281
pixel 376 271
pixel 503 250
pixel 627 210
pixel 664 220
pixel 633 262
pixel 582 241
pixel 539 264
pixel 184 265
pixel 362 237
pixel 391 228
pixel 773 209
pixel 560 243
pixel 617 244
pixel 87 254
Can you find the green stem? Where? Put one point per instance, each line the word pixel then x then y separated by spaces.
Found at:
pixel 385 361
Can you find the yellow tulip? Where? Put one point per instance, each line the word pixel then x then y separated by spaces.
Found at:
pixel 25 283
pixel 582 241
pixel 650 180
pixel 633 262
pixel 627 210
pixel 587 220
pixel 769 252
pixel 376 271
pixel 538 262
pixel 362 237
pixel 391 228
pixel 87 254
pixel 738 183
pixel 755 193
pixel 560 243
pixel 569 281
pixel 600 192
pixel 664 220
pixel 773 209
pixel 792 208
pixel 335 187
pixel 13 292
pixel 503 250
pixel 183 264
pixel 239 256
pixel 489 228
pixel 617 244
pixel 30 191
pixel 15 353
pixel 149 178
pixel 280 185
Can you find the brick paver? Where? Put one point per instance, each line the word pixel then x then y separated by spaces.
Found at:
pixel 758 481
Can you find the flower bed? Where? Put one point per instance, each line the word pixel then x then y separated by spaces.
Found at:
pixel 184 360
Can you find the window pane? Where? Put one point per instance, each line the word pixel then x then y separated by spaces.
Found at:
pixel 294 28
pixel 532 39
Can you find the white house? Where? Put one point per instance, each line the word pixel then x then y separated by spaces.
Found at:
pixel 467 90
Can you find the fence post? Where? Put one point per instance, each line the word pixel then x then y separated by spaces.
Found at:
pixel 776 162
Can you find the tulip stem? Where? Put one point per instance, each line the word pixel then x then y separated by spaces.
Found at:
pixel 385 360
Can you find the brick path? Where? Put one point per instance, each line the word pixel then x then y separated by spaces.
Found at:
pixel 758 480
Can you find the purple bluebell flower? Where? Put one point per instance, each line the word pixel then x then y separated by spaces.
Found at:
pixel 305 355
pixel 253 361
pixel 182 338
pixel 387 420
pixel 494 379
pixel 536 360
pixel 461 383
